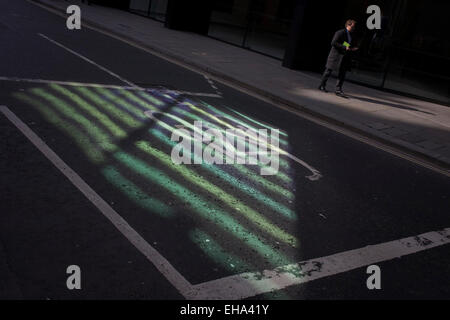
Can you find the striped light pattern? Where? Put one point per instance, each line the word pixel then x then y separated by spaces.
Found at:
pixel 239 218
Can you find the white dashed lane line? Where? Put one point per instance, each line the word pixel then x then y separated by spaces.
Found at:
pixel 213 85
pixel 248 284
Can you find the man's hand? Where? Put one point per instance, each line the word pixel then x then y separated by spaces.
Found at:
pixel 354 49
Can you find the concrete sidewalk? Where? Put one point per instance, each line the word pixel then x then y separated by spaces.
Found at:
pixel 415 126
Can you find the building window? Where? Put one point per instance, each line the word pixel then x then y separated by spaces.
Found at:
pixel 409 53
pixel 259 25
pixel 155 9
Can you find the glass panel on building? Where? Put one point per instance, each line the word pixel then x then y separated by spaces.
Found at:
pixel 420 53
pixel 155 9
pixel 158 9
pixel 140 6
pixel 260 25
pixel 229 20
pixel 270 22
pixel 371 61
pixel 409 54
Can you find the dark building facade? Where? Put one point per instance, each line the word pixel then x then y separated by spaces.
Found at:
pixel 156 9
pixel 409 54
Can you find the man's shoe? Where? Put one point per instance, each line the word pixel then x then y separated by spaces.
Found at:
pixel 340 93
pixel 322 88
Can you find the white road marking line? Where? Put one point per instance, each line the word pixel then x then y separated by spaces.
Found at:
pixel 315 119
pixel 324 123
pixel 161 263
pixel 194 94
pixel 315 174
pixel 131 84
pixel 89 61
pixel 250 284
pixel 212 84
pixel 108 86
pixel 218 94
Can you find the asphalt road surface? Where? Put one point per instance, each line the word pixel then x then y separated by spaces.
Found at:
pixel 87 179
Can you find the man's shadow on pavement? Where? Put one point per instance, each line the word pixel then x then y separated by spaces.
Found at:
pixel 389 104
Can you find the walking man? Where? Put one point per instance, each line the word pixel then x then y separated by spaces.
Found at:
pixel 340 56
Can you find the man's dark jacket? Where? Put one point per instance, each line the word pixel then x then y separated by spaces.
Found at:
pixel 338 55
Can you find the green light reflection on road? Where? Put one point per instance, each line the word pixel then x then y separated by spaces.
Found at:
pixel 232 202
pixel 136 194
pixel 83 142
pixel 283 163
pixel 99 136
pixel 241 168
pixel 121 102
pixel 108 107
pixel 101 117
pixel 233 181
pixel 204 208
pixel 217 253
pixel 255 121
pixel 97 131
pixel 228 116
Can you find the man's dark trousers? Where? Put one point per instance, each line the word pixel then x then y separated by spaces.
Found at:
pixel 338 59
pixel 341 78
